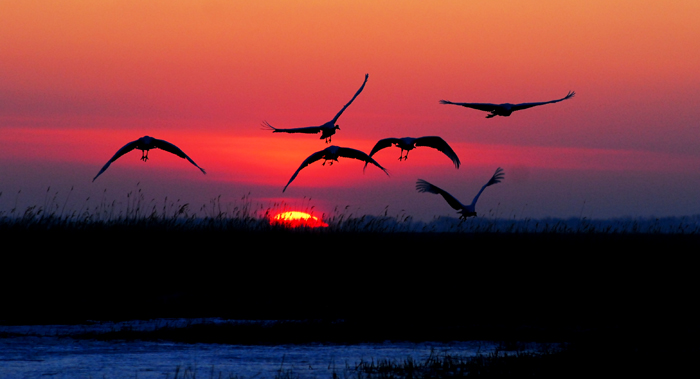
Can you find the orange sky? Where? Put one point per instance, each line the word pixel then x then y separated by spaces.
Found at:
pixel 79 79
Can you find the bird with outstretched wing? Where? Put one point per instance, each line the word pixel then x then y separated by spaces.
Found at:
pixel 144 144
pixel 327 130
pixel 506 109
pixel 332 153
pixel 407 144
pixel 464 210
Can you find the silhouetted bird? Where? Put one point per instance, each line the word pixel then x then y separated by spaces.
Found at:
pixel 507 108
pixel 144 144
pixel 464 210
pixel 332 153
pixel 327 129
pixel 408 144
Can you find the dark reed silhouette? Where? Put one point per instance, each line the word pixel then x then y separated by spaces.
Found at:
pixel 332 153
pixel 505 109
pixel 408 144
pixel 144 144
pixel 327 130
pixel 464 210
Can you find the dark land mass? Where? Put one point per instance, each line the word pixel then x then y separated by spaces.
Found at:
pixel 622 299
pixel 536 280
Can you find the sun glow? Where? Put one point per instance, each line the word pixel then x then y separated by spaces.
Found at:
pixel 295 219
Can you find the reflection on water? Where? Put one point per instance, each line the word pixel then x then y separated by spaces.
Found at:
pixel 47 351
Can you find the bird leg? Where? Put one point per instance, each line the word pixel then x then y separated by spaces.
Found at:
pixel 401 155
pixel 144 155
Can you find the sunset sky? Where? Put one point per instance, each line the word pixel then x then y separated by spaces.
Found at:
pixel 80 79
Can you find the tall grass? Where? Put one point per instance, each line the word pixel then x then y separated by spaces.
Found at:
pixel 495 364
pixel 136 211
pixel 559 362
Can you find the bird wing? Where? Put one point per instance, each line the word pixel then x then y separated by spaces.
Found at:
pixel 357 154
pixel 518 107
pixel 350 102
pixel 423 186
pixel 496 178
pixel 307 130
pixel 439 144
pixel 383 144
pixel 127 148
pixel 311 159
pixel 486 107
pixel 170 148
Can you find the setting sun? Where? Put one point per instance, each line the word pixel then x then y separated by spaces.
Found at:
pixel 295 219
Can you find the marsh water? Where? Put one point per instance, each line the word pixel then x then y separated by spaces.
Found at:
pixel 49 351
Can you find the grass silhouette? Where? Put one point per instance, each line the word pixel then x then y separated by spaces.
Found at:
pixel 138 212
